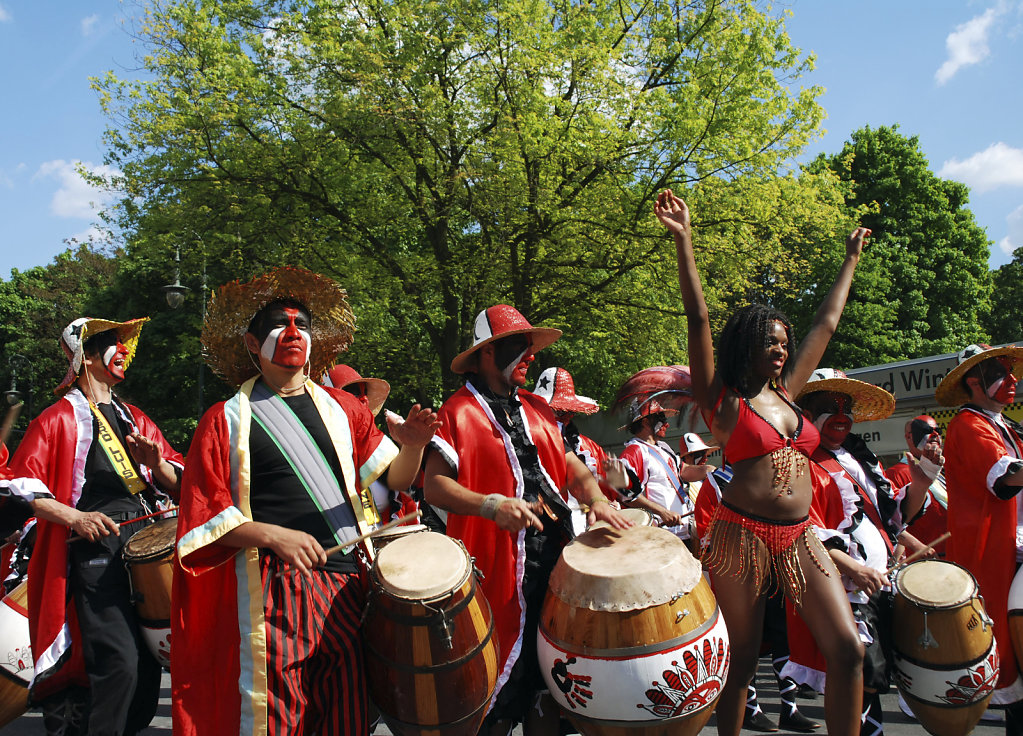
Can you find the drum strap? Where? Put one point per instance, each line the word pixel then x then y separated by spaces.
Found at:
pixel 116 453
pixel 348 512
pixel 676 482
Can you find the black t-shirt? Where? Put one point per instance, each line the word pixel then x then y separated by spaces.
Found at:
pixel 276 494
pixel 104 490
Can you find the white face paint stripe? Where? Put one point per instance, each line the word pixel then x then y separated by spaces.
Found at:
pixel 819 421
pixel 507 372
pixel 269 346
pixel 993 388
pixel 109 354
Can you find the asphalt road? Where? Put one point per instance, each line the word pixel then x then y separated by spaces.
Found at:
pixel 896 724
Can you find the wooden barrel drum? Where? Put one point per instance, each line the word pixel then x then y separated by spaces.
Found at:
pixel 16 664
pixel 946 662
pixel 149 557
pixel 631 640
pixel 428 635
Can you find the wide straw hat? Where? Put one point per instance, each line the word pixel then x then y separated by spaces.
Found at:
pixel 233 306
pixel 72 341
pixel 342 376
pixel 950 391
pixel 496 322
pixel 692 442
pixel 869 402
pixel 556 387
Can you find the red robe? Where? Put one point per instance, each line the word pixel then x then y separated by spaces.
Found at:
pixel 983 526
pixel 218 634
pixel 50 462
pixel 480 453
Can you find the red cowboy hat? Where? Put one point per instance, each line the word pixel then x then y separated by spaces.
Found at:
pixel 556 387
pixel 499 321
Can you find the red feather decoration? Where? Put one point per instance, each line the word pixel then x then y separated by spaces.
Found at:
pixel 670 385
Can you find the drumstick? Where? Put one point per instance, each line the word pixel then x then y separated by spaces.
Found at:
pixel 132 521
pixel 919 553
pixel 373 532
pixel 363 537
pixel 9 420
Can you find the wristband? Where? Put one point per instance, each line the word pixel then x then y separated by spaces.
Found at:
pixel 488 509
pixel 595 501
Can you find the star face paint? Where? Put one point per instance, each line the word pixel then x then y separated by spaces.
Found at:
pixel 288 342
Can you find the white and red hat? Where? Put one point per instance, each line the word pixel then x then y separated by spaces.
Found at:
pixel 556 387
pixel 74 336
pixel 500 321
pixel 692 442
pixel 649 407
pixel 341 376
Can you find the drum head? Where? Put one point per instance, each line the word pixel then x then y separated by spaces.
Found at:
pixel 156 540
pixel 935 584
pixel 422 566
pixel 606 570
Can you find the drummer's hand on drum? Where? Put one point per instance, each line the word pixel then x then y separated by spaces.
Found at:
pixel 93 525
pixel 514 514
pixel 867 579
pixel 298 549
pixel 601 510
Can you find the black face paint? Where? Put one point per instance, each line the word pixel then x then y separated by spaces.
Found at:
pixel 920 431
pixel 509 349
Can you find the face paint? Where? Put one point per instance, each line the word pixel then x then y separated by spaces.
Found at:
pixel 921 432
pixel 1003 387
pixel 834 428
pixel 288 343
pixel 512 356
pixel 113 359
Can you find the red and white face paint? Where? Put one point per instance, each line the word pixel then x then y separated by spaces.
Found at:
pixel 113 359
pixel 288 343
pixel 1003 388
pixel 834 422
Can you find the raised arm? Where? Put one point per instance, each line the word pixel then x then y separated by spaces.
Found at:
pixel 674 215
pixel 825 322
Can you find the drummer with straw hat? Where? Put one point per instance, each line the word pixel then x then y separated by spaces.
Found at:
pixel 90 464
pixel 499 466
pixel 862 516
pixel 984 472
pixel 265 628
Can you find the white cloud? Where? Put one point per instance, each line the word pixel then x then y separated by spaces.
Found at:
pixel 75 197
pixel 89 24
pixel 5 15
pixel 967 44
pixel 1014 239
pixel 998 165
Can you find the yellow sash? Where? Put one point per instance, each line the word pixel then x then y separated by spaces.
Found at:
pixel 116 453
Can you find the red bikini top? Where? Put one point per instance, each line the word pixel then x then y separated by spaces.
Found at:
pixel 754 436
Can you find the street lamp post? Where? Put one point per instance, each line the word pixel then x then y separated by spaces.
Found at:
pixel 20 363
pixel 175 295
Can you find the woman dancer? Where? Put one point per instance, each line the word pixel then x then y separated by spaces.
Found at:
pixel 760 536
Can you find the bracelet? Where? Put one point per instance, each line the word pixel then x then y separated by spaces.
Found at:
pixel 488 509
pixel 595 501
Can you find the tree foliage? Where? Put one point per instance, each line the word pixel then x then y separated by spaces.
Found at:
pixel 923 285
pixel 437 158
pixel 1005 322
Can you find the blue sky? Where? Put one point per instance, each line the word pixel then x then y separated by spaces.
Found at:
pixel 944 70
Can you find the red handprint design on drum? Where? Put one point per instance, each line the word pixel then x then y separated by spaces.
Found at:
pixel 575 687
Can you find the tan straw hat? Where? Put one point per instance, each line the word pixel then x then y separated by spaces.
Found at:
pixel 950 391
pixel 499 321
pixel 72 341
pixel 233 306
pixel 869 402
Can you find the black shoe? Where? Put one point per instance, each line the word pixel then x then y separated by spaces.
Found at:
pixel 758 722
pixel 806 693
pixel 797 722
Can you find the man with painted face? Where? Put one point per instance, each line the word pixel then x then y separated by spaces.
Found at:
pixel 89 464
pixel 933 522
pixel 657 467
pixel 500 467
pixel 985 475
pixel 862 515
pixel 276 474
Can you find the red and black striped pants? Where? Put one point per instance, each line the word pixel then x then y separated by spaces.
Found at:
pixel 316 683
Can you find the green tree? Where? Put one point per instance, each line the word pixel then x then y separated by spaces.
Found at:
pixel 440 157
pixel 923 285
pixel 1005 322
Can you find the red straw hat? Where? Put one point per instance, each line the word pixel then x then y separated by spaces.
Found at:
pixel 500 321
pixel 342 376
pixel 556 387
